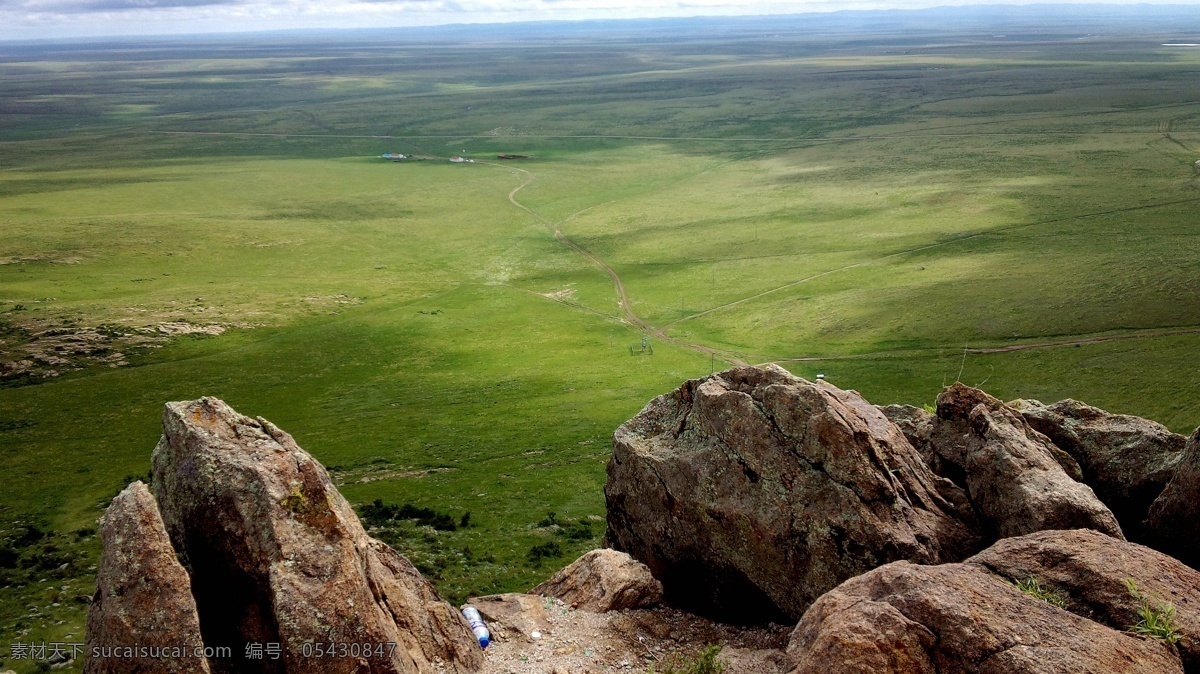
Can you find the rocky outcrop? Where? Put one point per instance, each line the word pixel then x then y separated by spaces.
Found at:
pixel 604 580
pixel 278 556
pixel 1018 487
pixel 1173 523
pixel 1092 572
pixel 512 615
pixel 1016 479
pixel 918 427
pixel 907 618
pixel 1127 460
pixel 143 596
pixel 751 492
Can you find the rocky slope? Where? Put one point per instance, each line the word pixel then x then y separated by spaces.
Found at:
pixel 985 537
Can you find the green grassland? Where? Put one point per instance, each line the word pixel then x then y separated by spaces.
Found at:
pixel 895 209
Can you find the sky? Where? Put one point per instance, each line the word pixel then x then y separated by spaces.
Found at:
pixel 32 19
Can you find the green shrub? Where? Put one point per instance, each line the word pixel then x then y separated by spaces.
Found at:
pixel 378 513
pixel 548 550
pixel 576 531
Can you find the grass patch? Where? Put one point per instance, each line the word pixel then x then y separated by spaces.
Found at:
pixel 1033 587
pixel 703 662
pixel 1156 618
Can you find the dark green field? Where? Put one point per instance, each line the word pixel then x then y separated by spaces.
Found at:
pixel 893 200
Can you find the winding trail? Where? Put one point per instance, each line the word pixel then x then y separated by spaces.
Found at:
pixel 618 285
pixel 739 358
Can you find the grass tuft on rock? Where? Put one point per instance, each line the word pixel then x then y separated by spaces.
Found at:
pixel 1156 618
pixel 1033 587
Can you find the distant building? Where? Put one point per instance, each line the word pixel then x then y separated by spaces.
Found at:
pixel 394 156
pixel 461 160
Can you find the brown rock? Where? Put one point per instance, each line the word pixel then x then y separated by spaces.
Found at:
pixel 918 427
pixel 143 595
pixel 1127 460
pixel 1173 523
pixel 277 555
pixel 952 438
pixel 1017 486
pixel 512 615
pixel 752 492
pixel 1090 570
pixel 1015 478
pixel 906 618
pixel 603 580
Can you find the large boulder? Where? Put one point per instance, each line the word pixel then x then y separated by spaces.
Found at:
pixel 952 437
pixel 143 596
pixel 1127 460
pixel 1015 478
pixel 604 580
pixel 1017 486
pixel 277 556
pixel 1092 573
pixel 912 619
pixel 751 492
pixel 1173 523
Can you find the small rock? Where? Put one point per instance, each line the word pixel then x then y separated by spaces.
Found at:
pixel 520 614
pixel 604 580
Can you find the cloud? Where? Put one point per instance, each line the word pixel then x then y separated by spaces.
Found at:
pixel 34 7
pixel 73 18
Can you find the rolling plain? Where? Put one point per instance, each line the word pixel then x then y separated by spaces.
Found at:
pixel 894 204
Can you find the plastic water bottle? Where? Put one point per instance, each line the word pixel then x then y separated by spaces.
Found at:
pixel 477 625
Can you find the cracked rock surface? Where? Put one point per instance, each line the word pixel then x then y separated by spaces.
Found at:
pixel 143 595
pixel 274 555
pixel 1017 479
pixel 1127 460
pixel 906 617
pixel 751 492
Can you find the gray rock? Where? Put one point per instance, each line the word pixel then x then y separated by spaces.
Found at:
pixel 143 596
pixel 1017 480
pixel 512 615
pixel 278 556
pixel 1173 523
pixel 1017 486
pixel 751 492
pixel 1127 460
